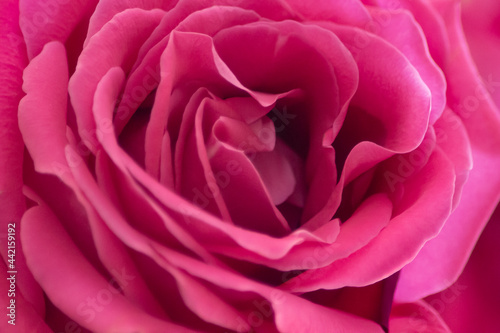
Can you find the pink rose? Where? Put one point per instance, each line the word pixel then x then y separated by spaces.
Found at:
pixel 239 166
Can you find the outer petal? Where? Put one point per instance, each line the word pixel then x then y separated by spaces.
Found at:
pixel 429 273
pixel 45 21
pixel 27 319
pixel 95 304
pixel 471 304
pixel 12 204
pixel 480 20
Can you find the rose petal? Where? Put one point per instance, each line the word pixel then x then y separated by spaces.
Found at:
pixel 291 313
pixel 453 139
pixel 483 37
pixel 350 12
pixel 258 242
pixel 12 202
pixel 482 190
pixel 110 312
pixel 106 94
pixel 112 46
pixel 471 303
pixel 423 218
pixel 192 167
pixel 276 172
pixel 26 317
pixel 416 317
pixel 364 225
pixel 402 31
pixel 106 10
pixel 45 79
pixel 42 22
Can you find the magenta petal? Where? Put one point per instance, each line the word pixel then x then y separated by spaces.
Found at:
pixel 194 175
pixel 42 230
pixel 145 74
pixel 471 303
pixel 254 137
pixel 12 201
pixel 44 131
pixel 43 22
pixel 290 311
pixel 401 31
pixel 453 139
pixel 106 94
pixel 351 12
pixel 249 202
pixel 416 317
pixel 106 10
pixel 483 36
pixel 200 224
pixel 116 44
pixel 382 91
pixel 387 253
pixel 332 242
pixel 277 172
pixel 12 63
pixel 27 318
pixel 482 190
pixel 202 301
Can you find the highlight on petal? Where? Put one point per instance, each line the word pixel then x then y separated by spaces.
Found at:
pixel 401 30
